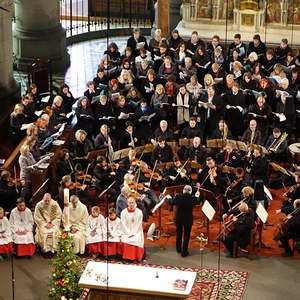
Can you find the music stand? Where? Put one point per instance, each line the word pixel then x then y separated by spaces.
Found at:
pixel 117 155
pixel 210 197
pixel 94 154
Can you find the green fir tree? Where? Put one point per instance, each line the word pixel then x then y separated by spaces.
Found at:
pixel 66 270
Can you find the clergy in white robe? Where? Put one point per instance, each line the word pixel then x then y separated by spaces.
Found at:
pixel 6 244
pixel 132 240
pixel 47 216
pixel 75 217
pixel 94 231
pixel 21 221
pixel 111 245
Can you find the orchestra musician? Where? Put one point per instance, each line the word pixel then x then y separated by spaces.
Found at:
pixel 252 135
pixel 257 166
pixel 103 140
pixel 229 157
pixel 243 219
pixel 105 175
pixel 162 152
pixel 222 132
pixel 128 137
pixel 8 191
pixel 196 152
pixel 211 178
pixel 162 131
pixel 80 147
pixel 177 174
pixel 276 144
pixel 65 165
pixel 293 229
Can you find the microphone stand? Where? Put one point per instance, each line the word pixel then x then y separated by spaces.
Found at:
pixel 12 276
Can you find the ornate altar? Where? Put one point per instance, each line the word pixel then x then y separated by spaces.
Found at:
pixel 273 19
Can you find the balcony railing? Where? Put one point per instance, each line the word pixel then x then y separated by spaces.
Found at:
pixel 83 16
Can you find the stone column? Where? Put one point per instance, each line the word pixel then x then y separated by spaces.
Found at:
pixel 39 34
pixel 8 86
pixel 174 13
pixel 163 17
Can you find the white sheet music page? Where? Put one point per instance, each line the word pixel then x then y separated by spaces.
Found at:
pixel 262 213
pixel 208 210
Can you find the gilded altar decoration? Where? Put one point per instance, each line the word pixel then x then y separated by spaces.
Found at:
pixel 249 4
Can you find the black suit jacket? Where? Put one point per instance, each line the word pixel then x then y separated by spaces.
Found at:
pixel 184 208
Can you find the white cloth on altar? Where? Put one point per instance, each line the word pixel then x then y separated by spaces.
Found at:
pixel 94 225
pixel 76 218
pixel 113 230
pixel 22 221
pixel 44 214
pixel 6 231
pixel 132 227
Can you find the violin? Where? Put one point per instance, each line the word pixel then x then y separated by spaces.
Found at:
pixel 136 186
pixel 154 175
pixel 81 176
pixel 75 185
pixel 14 181
pixel 136 162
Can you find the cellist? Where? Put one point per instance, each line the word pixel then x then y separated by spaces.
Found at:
pixel 243 217
pixel 293 229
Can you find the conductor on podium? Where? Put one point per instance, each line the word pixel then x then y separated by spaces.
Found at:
pixel 184 218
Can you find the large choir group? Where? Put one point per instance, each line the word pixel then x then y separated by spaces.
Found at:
pixel 185 113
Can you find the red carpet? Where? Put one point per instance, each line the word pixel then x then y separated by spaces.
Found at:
pixel 214 284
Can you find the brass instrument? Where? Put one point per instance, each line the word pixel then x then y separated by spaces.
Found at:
pixel 276 143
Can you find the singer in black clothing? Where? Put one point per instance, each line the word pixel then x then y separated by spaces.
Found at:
pixel 184 218
pixel 162 152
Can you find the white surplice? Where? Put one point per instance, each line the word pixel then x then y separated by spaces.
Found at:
pixel 132 227
pixel 94 225
pixel 22 221
pixel 6 231
pixel 113 230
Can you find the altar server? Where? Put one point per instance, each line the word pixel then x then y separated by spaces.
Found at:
pixel 47 216
pixel 75 217
pixel 94 231
pixel 6 244
pixel 132 236
pixel 21 221
pixel 112 235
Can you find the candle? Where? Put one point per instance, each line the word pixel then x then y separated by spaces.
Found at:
pixel 66 196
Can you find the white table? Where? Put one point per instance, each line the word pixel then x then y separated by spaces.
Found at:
pixel 134 282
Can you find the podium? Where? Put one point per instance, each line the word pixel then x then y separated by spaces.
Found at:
pixel 132 282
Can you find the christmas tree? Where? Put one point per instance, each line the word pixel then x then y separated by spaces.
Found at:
pixel 66 271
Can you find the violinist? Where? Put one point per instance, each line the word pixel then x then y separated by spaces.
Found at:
pixel 293 229
pixel 8 191
pixel 243 219
pixel 210 178
pixel 121 202
pixel 177 174
pixel 162 152
pixel 81 146
pixel 65 165
pixel 75 188
pixel 246 196
pixel 292 194
pixel 105 175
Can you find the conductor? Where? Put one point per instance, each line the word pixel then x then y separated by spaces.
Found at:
pixel 184 218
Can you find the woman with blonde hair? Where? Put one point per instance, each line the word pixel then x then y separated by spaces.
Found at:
pixel 17 120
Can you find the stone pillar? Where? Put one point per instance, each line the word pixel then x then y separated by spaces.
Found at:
pixel 163 17
pixel 39 34
pixel 8 86
pixel 174 13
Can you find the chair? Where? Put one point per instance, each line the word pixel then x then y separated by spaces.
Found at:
pixel 250 247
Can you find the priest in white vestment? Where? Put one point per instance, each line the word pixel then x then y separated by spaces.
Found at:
pixel 6 244
pixel 111 245
pixel 21 221
pixel 47 216
pixel 132 240
pixel 94 231
pixel 75 217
